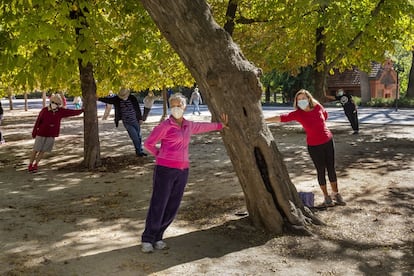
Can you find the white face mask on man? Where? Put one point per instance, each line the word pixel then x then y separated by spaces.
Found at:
pixel 303 104
pixel 177 112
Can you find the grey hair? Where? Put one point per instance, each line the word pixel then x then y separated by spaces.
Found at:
pixel 178 97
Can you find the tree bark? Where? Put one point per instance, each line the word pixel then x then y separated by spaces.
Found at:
pixel 231 84
pixel 410 88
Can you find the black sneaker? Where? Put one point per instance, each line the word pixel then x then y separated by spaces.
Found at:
pixel 142 154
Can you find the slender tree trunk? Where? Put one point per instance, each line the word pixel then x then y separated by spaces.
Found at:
pixel 365 90
pixel 164 104
pixel 26 103
pixel 267 94
pixel 10 95
pixel 44 98
pixel 231 84
pixel 91 151
pixel 320 73
pixel 410 88
pixel 230 16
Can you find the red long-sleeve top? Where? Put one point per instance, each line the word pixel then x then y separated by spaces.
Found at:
pixel 48 121
pixel 313 122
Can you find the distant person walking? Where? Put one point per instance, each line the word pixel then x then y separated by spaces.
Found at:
pixel 350 108
pixel 196 100
pixel 2 141
pixel 46 128
pixel 127 109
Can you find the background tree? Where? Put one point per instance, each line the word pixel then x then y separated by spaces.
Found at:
pixel 287 36
pixel 78 44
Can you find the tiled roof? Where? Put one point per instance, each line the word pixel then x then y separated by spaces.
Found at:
pixel 351 78
pixel 376 70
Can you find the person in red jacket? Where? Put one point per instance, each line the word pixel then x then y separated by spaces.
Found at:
pixel 312 116
pixel 46 128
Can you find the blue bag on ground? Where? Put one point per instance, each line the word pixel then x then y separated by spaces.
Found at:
pixel 308 198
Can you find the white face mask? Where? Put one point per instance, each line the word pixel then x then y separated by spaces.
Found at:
pixel 177 112
pixel 303 104
pixel 53 106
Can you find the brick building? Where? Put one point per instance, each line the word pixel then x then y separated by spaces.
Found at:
pixel 382 81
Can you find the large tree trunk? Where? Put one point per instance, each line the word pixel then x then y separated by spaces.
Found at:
pixel 230 84
pixel 410 89
pixel 91 151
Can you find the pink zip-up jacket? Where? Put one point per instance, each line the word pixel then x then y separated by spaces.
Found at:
pixel 175 140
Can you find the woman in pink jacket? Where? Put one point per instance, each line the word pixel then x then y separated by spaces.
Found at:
pixel 171 169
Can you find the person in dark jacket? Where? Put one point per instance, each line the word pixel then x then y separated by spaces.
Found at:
pixel 350 108
pixel 47 127
pixel 127 109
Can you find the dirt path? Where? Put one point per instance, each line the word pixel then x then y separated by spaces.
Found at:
pixel 66 221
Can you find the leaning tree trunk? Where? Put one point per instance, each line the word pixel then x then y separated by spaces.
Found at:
pixel 230 84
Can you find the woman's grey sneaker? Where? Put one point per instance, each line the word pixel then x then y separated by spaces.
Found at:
pixel 160 245
pixel 327 202
pixel 338 199
pixel 147 247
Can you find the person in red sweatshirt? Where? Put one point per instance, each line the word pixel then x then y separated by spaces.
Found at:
pixel 312 116
pixel 46 128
